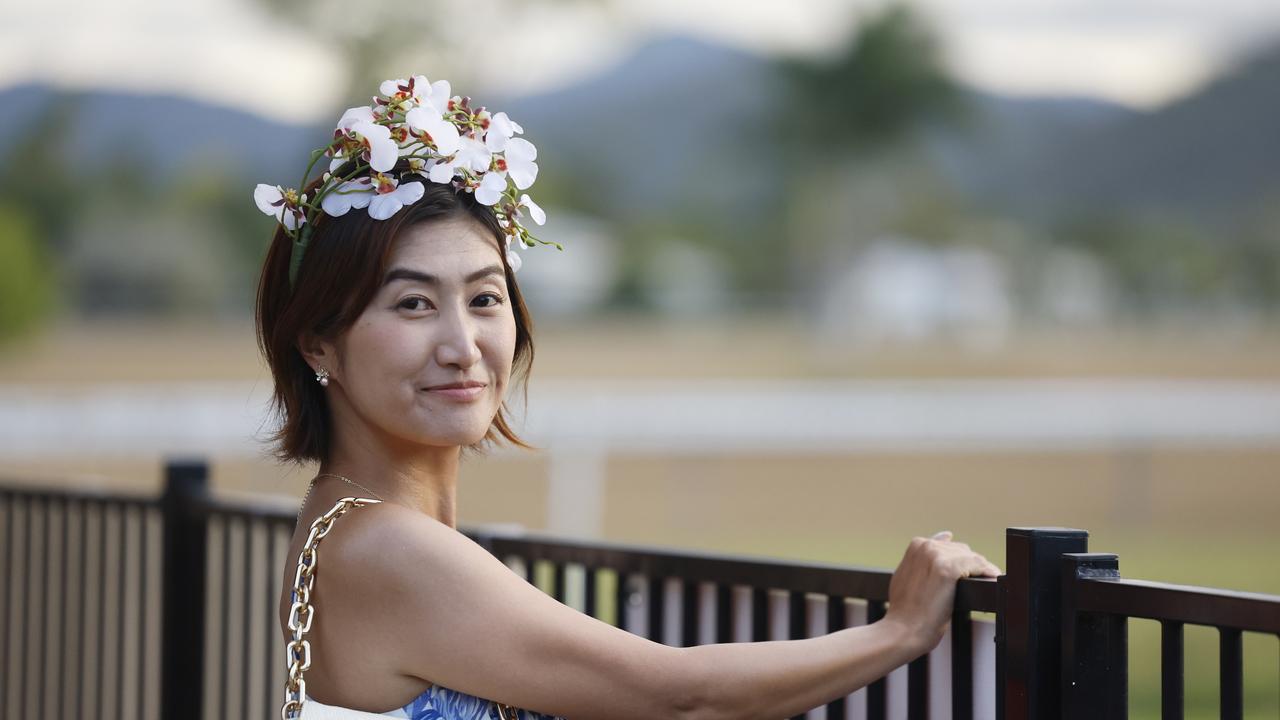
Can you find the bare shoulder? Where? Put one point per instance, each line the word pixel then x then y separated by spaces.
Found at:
pixel 384 547
pixel 392 544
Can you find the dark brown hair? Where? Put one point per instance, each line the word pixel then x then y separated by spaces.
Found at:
pixel 340 273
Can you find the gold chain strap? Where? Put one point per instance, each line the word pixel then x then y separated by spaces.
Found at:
pixel 301 613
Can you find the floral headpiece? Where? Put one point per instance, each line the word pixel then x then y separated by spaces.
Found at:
pixel 441 137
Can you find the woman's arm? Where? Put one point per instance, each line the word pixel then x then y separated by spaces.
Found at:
pixel 462 619
pixel 783 678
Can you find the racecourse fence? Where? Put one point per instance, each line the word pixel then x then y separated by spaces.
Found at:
pixel 117 606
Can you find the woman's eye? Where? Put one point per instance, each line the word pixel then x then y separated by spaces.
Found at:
pixel 411 303
pixel 497 299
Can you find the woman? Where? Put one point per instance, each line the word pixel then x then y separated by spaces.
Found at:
pixel 393 336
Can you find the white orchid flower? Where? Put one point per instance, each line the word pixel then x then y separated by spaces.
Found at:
pixel 415 88
pixel 437 93
pixel 364 113
pixel 283 204
pixel 501 129
pixel 421 90
pixel 408 94
pixel 513 259
pixel 357 127
pixel 519 156
pixel 473 155
pixel 535 212
pixel 391 196
pixel 491 188
pixel 351 194
pixel 429 119
pixel 442 171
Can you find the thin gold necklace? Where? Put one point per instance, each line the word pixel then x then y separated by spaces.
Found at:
pixel 312 485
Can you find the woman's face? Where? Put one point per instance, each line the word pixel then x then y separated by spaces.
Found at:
pixel 442 316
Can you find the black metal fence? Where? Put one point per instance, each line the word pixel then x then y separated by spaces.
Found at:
pixel 130 607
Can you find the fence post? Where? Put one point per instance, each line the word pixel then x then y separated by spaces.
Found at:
pixel 183 588
pixel 1095 653
pixel 1028 623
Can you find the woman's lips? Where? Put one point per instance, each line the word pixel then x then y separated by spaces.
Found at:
pixel 466 394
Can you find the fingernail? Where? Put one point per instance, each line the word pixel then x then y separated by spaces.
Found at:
pixel 942 535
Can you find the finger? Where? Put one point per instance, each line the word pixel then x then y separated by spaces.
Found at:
pixel 986 570
pixel 943 535
pixel 979 566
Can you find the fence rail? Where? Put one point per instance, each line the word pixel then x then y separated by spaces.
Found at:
pixel 117 606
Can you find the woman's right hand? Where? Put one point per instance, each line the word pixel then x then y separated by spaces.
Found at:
pixel 922 591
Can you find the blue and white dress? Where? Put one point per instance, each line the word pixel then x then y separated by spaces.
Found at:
pixel 442 703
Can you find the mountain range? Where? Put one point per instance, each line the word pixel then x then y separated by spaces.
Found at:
pixel 680 115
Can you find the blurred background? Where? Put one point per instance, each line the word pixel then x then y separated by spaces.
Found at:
pixel 836 273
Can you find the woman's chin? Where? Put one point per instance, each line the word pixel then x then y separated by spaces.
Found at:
pixel 452 437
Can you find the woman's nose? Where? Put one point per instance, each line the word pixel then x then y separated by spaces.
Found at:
pixel 457 344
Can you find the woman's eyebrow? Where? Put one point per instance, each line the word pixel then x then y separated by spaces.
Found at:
pixel 403 273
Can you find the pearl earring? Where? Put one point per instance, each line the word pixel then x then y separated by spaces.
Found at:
pixel 322 377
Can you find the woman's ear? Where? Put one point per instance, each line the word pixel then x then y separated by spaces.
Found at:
pixel 317 352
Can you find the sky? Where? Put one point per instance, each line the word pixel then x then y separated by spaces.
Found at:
pixel 1140 53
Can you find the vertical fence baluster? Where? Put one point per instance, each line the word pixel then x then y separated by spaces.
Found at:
pixel 759 613
pixel 247 615
pixel 223 663
pixel 6 589
pixel 621 600
pixel 918 688
pixel 270 541
pixel 796 622
pixel 24 623
pixel 657 607
pixel 961 665
pixel 82 609
pixel 144 595
pixel 797 617
pixel 186 527
pixel 122 570
pixel 877 691
pixel 724 612
pixel 1171 670
pixel 836 621
pixel 589 580
pixel 1231 676
pixel 18 674
pixel 100 705
pixel 63 605
pixel 46 508
pixel 7 585
pixel 689 612
pixel 557 581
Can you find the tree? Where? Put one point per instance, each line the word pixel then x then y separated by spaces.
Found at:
pixel 26 280
pixel 886 80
